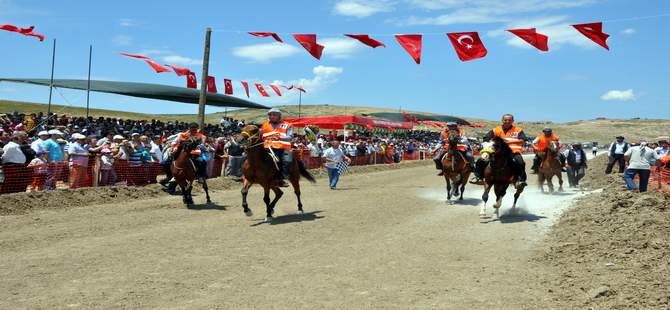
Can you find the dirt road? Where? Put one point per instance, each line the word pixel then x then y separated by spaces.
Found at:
pixel 385 240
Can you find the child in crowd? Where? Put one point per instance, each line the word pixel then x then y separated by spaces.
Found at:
pixel 40 170
pixel 107 175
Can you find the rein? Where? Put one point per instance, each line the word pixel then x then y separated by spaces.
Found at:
pixel 249 137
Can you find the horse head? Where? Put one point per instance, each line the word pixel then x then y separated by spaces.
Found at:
pixel 500 146
pixel 250 135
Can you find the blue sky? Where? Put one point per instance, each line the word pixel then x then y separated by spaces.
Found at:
pixel 575 80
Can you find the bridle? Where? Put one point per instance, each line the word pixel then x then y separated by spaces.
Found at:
pixel 250 137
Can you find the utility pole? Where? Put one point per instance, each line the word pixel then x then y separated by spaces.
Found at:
pixel 299 103
pixel 88 86
pixel 203 80
pixel 51 84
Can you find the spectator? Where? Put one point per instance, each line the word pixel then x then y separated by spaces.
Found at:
pixel 576 160
pixel 334 157
pixel 40 170
pixel 236 157
pixel 616 154
pixel 41 137
pixel 594 150
pixel 640 159
pixel 107 174
pixel 12 153
pixel 78 161
pixel 663 149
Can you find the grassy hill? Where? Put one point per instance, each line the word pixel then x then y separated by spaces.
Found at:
pixel 601 130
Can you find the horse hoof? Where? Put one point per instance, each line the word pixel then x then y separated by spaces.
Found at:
pixel 301 212
pixel 268 219
pixel 248 212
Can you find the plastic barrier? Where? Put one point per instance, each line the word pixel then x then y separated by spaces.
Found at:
pixel 661 178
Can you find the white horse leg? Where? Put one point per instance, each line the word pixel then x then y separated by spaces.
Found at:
pixel 496 207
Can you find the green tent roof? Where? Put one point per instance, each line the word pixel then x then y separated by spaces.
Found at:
pixel 145 90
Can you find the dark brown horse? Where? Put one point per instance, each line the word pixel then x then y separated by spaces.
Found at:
pixel 499 174
pixel 455 167
pixel 549 168
pixel 184 171
pixel 260 168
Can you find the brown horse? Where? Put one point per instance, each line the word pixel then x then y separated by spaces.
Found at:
pixel 549 168
pixel 499 174
pixel 455 167
pixel 185 172
pixel 260 168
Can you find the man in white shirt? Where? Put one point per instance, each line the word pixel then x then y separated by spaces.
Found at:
pixel 616 154
pixel 640 159
pixel 334 156
pixel 37 144
pixel 12 153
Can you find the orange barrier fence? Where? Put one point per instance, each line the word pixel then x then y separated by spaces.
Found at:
pixel 661 178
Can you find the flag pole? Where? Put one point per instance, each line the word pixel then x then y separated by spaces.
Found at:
pixel 299 103
pixel 51 84
pixel 88 85
pixel 203 80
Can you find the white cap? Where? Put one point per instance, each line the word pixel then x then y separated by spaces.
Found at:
pixel 117 137
pixel 43 133
pixel 55 132
pixel 78 136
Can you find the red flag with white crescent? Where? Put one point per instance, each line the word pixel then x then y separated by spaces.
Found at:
pixel 180 71
pixel 533 38
pixel 228 86
pixel 262 90
pixel 594 31
pixel 24 31
pixel 308 41
pixel 267 34
pixel 246 87
pixel 468 45
pixel 412 44
pixel 365 39
pixel 211 84
pixel 191 81
pixel 276 89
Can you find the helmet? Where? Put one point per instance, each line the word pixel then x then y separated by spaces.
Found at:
pixel 193 125
pixel 547 129
pixel 452 124
pixel 274 110
pixel 274 115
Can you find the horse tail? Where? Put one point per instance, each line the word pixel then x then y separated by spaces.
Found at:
pixel 304 173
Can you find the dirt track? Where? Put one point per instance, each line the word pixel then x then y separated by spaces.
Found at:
pixel 385 240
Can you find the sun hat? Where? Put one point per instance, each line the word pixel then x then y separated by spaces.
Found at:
pixel 55 132
pixel 43 133
pixel 117 137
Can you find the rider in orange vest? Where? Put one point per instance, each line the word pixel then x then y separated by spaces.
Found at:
pixel 277 135
pixel 541 143
pixel 463 145
pixel 516 139
pixel 193 132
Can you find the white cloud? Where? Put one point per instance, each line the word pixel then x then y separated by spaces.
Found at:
pixel 127 22
pixel 266 52
pixel 122 40
pixel 340 47
pixel 558 29
pixel 620 95
pixel 629 31
pixel 324 77
pixel 181 60
pixel 361 8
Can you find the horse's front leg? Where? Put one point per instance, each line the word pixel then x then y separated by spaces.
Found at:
pixel 464 181
pixel 204 187
pixel 550 184
pixel 278 194
pixel 540 181
pixel 446 177
pixel 189 196
pixel 500 190
pixel 268 207
pixel 560 181
pixel 485 198
pixel 296 190
pixel 245 191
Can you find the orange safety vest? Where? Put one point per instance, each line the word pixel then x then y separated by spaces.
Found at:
pixel 543 142
pixel 272 134
pixel 511 137
pixel 445 140
pixel 198 136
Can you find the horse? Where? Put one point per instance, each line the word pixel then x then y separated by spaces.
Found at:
pixel 260 168
pixel 549 168
pixel 499 174
pixel 455 167
pixel 185 172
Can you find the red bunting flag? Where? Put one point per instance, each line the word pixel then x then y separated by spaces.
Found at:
pixel 262 90
pixel 468 45
pixel 246 87
pixel 276 89
pixel 191 81
pixel 412 44
pixel 287 87
pixel 267 34
pixel 308 41
pixel 300 89
pixel 135 55
pixel 365 39
pixel 228 86
pixel 533 38
pixel 180 71
pixel 211 84
pixel 24 31
pixel 594 31
pixel 158 68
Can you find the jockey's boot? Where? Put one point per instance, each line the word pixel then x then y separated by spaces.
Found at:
pixel 480 166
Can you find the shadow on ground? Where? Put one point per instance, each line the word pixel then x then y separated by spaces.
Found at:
pixel 292 218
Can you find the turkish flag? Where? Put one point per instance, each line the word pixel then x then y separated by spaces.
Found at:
pixel 211 84
pixel 300 89
pixel 228 86
pixel 180 71
pixel 262 90
pixel 135 55
pixel 308 41
pixel 594 31
pixel 365 39
pixel 412 44
pixel 276 89
pixel 191 81
pixel 267 34
pixel 533 38
pixel 287 87
pixel 468 45
pixel 157 67
pixel 246 87
pixel 24 31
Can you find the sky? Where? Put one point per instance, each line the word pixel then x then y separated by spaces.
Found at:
pixel 576 79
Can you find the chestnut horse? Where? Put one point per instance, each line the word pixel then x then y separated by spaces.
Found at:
pixel 499 174
pixel 260 168
pixel 549 168
pixel 185 172
pixel 455 167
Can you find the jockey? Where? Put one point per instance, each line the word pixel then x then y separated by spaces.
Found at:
pixel 463 146
pixel 515 138
pixel 277 135
pixel 196 155
pixel 541 143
